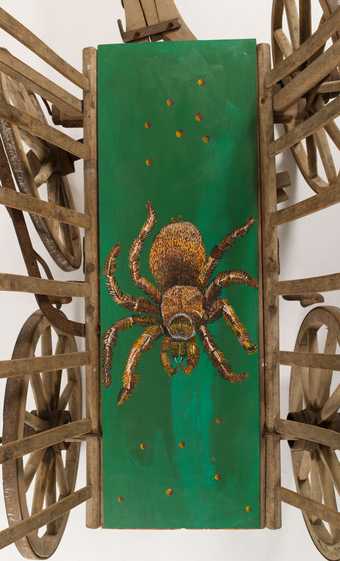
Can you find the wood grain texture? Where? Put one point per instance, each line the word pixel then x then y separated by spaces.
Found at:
pixel 313 284
pixel 291 430
pixel 32 285
pixel 310 506
pixel 26 367
pixel 312 360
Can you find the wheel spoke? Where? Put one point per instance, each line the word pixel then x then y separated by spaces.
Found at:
pixel 35 422
pixel 331 406
pixel 312 156
pixel 51 494
pixel 326 155
pixel 41 485
pixel 283 43
pixel 331 461
pixel 315 483
pixel 329 496
pixel 38 392
pixel 305 13
pixel 293 22
pixel 62 480
pixel 32 466
pixel 66 394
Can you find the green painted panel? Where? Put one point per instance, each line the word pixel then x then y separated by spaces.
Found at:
pixel 214 186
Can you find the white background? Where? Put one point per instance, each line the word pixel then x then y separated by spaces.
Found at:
pixel 308 247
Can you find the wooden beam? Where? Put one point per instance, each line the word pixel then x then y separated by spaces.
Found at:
pixel 311 360
pixel 305 51
pixel 310 507
pixel 37 128
pixel 93 447
pixel 305 80
pixel 33 285
pixel 326 199
pixel 291 430
pixel 36 82
pixel 305 286
pixel 332 86
pixel 12 26
pixel 42 440
pixel 306 128
pixel 21 529
pixel 33 205
pixel 270 265
pixel 28 366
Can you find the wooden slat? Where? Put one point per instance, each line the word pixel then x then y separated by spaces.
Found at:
pixel 329 197
pixel 308 78
pixel 270 277
pixel 53 512
pixel 42 440
pixel 332 86
pixel 36 82
pixel 27 366
pixel 21 201
pixel 32 285
pixel 291 430
pixel 93 448
pixel 38 128
pixel 306 128
pixel 305 286
pixel 305 51
pixel 310 507
pixel 12 26
pixel 311 360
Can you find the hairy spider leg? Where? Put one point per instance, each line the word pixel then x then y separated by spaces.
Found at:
pixel 218 358
pixel 224 279
pixel 193 356
pixel 110 339
pixel 225 308
pixel 143 343
pixel 218 250
pixel 165 357
pixel 129 302
pixel 135 253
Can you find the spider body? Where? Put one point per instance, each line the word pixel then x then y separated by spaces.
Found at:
pixel 180 306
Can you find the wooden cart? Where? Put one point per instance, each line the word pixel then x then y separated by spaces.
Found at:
pixel 298 91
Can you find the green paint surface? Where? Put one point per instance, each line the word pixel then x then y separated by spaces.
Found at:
pixel 214 186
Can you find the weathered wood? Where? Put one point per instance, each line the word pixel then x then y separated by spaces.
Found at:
pixel 304 208
pixel 311 507
pixel 167 10
pixel 291 430
pixel 305 51
pixel 311 360
pixel 37 128
pixel 332 86
pixel 306 128
pixel 314 284
pixel 36 82
pixel 51 513
pixel 19 448
pixel 307 78
pixel 21 201
pixel 270 278
pixel 305 300
pixel 32 285
pixel 12 26
pixel 27 366
pixel 93 511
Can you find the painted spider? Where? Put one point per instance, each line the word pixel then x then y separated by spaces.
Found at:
pixel 182 303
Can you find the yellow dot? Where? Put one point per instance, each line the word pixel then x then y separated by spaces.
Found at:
pixel 142 446
pixel 170 102
pixel 206 139
pixel 201 82
pixel 148 163
pixel 120 499
pixel 179 134
pixel 147 125
pixel 169 492
pixel 218 421
pixel 248 508
pixel 181 444
pixel 217 477
pixel 198 117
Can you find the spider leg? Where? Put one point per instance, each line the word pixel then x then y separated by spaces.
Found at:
pixel 223 279
pixel 218 250
pixel 134 257
pixel 230 316
pixel 218 358
pixel 193 356
pixel 129 302
pixel 143 343
pixel 165 358
pixel 110 339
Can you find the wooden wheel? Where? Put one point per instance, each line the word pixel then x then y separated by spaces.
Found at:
pixel 314 399
pixel 291 26
pixel 34 404
pixel 40 170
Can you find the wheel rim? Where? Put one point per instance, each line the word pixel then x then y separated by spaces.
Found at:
pixel 37 167
pixel 290 28
pixel 41 478
pixel 312 400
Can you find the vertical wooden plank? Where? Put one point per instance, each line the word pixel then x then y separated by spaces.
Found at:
pixel 93 510
pixel 270 277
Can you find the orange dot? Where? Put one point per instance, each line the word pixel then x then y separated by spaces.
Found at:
pixel 170 102
pixel 120 499
pixel 181 444
pixel 148 163
pixel 198 117
pixel 142 446
pixel 201 82
pixel 179 134
pixel 248 508
pixel 217 477
pixel 147 125
pixel 218 421
pixel 169 492
pixel 206 139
